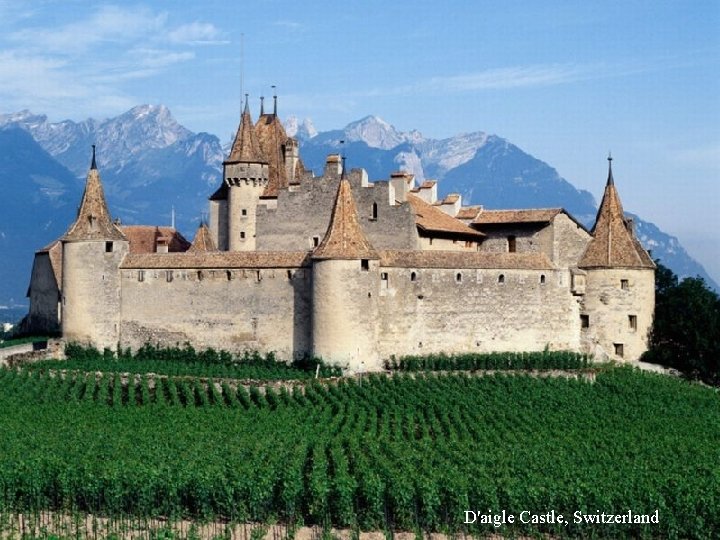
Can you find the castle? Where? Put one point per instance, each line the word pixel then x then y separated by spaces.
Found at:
pixel 346 269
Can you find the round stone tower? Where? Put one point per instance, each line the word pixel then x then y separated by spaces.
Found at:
pixel 345 291
pixel 619 301
pixel 246 174
pixel 93 249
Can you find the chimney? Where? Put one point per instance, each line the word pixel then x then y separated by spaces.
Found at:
pixel 333 165
pixel 402 182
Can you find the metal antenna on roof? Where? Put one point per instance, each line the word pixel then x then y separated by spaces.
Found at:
pixel 172 216
pixel 610 179
pixel 242 70
pixel 274 101
pixel 342 156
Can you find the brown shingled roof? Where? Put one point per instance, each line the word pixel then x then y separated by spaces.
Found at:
pixel 203 240
pixel 344 238
pixel 534 215
pixel 460 259
pixel 427 184
pixel 93 220
pixel 468 212
pixel 246 147
pixel 54 251
pixel 218 260
pixel 433 220
pixel 614 243
pixel 272 137
pixel 452 198
pixel 145 238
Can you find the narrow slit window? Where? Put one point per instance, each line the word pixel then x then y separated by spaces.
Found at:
pixel 141 275
pixel 228 275
pixel 316 241
pixel 501 278
pixel 458 278
pixel 512 243
pixel 632 322
pixel 584 321
pixel 384 280
pixel 169 276
pixel 542 279
pixel 413 276
pixel 374 212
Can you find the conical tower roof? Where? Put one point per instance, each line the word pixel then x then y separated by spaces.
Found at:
pixel 272 138
pixel 614 244
pixel 246 147
pixel 203 240
pixel 93 220
pixel 344 238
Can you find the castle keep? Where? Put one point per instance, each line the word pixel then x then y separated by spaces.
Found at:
pixel 347 269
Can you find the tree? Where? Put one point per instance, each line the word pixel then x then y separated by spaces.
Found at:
pixel 686 329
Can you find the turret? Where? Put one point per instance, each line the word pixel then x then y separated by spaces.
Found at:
pixel 93 249
pixel 345 290
pixel 619 300
pixel 245 173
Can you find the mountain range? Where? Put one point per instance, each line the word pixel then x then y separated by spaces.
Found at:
pixel 152 165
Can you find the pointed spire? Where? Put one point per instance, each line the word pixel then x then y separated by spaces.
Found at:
pixel 614 243
pixel 246 147
pixel 345 238
pixel 93 220
pixel 203 240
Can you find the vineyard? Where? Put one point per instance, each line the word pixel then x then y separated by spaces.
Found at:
pixel 397 452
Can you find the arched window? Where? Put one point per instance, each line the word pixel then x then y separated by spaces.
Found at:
pixel 413 276
pixel 458 277
pixel 501 278
pixel 542 279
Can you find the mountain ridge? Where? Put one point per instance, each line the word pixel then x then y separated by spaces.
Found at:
pixel 151 164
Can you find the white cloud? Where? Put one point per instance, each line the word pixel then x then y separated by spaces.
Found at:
pixel 196 33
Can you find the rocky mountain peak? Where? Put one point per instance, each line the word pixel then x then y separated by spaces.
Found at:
pixel 302 131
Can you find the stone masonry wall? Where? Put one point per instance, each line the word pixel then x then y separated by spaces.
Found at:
pixel 44 316
pixel 233 309
pixel 304 214
pixel 469 310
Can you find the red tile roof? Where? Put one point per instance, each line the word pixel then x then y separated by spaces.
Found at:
pixel 433 220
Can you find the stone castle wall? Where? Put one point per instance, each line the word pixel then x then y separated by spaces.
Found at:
pixel 43 317
pixel 476 310
pixel 233 309
pixel 302 216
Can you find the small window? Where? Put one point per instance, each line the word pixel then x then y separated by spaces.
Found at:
pixel 289 274
pixel 364 265
pixel 624 284
pixel 584 321
pixel 228 275
pixel 632 322
pixel 619 349
pixel 242 235
pixel 501 278
pixel 512 244
pixel 108 247
pixel 243 212
pixel 413 276
pixel 384 280
pixel 458 278
pixel 542 279
pixel 316 241
pixel 141 275
pixel 169 276
pixel 200 275
pixel 373 212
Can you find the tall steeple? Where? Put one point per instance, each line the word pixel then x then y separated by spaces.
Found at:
pixel 246 147
pixel 345 238
pixel 614 244
pixel 93 220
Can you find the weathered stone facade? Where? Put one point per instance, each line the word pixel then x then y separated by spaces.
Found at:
pixel 349 270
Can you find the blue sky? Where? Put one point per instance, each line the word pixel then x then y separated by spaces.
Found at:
pixel 565 80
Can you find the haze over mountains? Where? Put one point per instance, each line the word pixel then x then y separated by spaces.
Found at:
pixel 150 164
